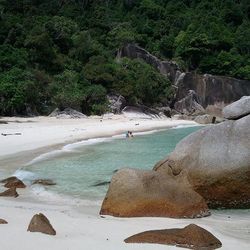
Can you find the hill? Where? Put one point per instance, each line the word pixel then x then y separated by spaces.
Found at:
pixel 62 53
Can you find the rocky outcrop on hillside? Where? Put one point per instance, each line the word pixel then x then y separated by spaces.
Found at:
pixel 214 92
pixel 189 105
pixel 167 68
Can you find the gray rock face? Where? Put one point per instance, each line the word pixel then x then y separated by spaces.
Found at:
pixel 116 103
pixel 189 105
pixel 216 160
pixel 168 68
pixel 134 193
pixel 67 113
pixel 141 111
pixel 165 111
pixel 237 109
pixel 214 92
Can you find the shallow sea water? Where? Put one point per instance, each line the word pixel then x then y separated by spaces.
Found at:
pixel 78 167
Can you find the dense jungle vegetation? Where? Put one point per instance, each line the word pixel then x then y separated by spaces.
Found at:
pixel 61 53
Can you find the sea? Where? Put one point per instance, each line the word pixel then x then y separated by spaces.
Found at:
pixel 83 170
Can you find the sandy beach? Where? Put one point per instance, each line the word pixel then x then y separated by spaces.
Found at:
pixel 42 134
pixel 80 226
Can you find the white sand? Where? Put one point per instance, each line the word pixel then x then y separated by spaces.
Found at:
pixel 82 228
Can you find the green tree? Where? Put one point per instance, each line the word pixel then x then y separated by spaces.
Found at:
pixel 61 30
pixel 66 90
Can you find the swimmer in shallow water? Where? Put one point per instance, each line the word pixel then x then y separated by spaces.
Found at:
pixel 129 134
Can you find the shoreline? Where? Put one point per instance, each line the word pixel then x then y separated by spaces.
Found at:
pixel 15 154
pixel 80 225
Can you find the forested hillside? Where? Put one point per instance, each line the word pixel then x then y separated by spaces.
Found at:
pixel 61 53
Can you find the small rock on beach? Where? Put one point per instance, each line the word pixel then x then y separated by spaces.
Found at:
pixel 2 221
pixel 11 192
pixel 40 223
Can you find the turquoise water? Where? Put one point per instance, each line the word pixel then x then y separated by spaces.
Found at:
pixel 76 172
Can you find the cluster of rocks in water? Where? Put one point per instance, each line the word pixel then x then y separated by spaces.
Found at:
pixel 39 222
pixel 12 183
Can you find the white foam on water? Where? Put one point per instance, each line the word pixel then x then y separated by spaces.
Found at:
pixel 122 136
pixel 75 145
pixel 25 176
pixel 147 132
pixel 43 194
pixel 45 156
pixel 186 126
pixel 69 148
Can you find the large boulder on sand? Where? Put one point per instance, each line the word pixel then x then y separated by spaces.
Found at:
pixel 134 193
pixel 237 109
pixel 191 236
pixel 40 223
pixel 216 160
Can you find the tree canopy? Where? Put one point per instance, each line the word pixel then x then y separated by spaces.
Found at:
pixel 58 53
